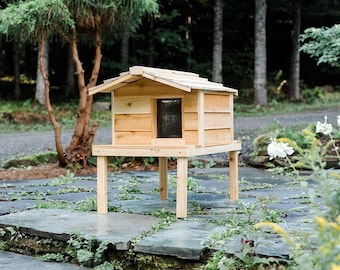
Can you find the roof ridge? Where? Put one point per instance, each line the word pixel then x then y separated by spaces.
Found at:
pixel 139 70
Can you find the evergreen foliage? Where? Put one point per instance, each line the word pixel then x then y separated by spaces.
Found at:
pixel 24 20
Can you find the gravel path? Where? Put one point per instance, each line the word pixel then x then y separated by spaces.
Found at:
pixel 246 128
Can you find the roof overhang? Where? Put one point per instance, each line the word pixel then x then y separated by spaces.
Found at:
pixel 185 81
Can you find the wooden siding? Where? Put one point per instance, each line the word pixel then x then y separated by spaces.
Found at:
pixel 148 87
pixel 133 122
pixel 217 137
pixel 190 102
pixel 218 122
pixel 191 137
pixel 132 105
pixel 190 118
pixel 207 117
pixel 132 138
pixel 216 103
pixel 190 121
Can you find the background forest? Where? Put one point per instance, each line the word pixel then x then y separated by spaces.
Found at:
pixel 180 37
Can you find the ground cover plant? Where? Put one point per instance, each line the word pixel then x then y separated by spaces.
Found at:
pixel 317 250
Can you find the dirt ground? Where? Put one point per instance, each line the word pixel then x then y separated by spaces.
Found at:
pixel 52 170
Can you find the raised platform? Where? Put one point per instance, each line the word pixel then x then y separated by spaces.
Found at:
pixel 182 152
pixel 158 150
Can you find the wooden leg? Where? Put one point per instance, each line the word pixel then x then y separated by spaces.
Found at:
pixel 233 175
pixel 182 178
pixel 163 178
pixel 102 185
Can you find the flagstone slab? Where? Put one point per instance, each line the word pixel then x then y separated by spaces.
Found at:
pixel 276 193
pixel 182 239
pixel 7 207
pixel 72 197
pixel 13 261
pixel 144 206
pixel 269 245
pixel 117 228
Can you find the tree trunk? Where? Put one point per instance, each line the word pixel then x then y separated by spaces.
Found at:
pixel 56 125
pixel 69 88
pixel 124 51
pixel 79 149
pixel 294 75
pixel 16 60
pixel 151 53
pixel 260 69
pixel 40 86
pixel 218 42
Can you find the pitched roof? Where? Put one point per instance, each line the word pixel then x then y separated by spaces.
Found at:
pixel 185 81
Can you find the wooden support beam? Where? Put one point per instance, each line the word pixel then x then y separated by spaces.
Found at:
pixel 163 178
pixel 102 204
pixel 233 175
pixel 182 178
pixel 162 152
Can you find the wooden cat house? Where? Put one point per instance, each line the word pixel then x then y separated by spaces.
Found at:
pixel 167 113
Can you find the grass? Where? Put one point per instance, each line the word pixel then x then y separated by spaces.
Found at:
pixel 324 101
pixel 24 116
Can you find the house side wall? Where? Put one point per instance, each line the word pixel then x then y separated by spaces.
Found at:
pixel 134 114
pixel 207 117
pixel 218 118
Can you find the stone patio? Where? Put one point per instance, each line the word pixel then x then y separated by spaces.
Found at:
pixel 135 196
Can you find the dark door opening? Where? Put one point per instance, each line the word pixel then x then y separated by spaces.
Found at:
pixel 169 118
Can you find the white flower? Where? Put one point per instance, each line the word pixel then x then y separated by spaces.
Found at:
pixel 279 149
pixel 324 128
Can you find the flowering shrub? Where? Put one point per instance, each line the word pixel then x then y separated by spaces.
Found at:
pixel 324 128
pixel 326 252
pixel 314 147
pixel 279 149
